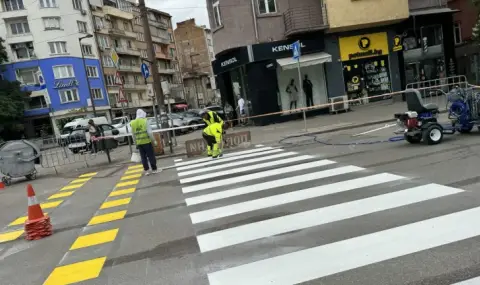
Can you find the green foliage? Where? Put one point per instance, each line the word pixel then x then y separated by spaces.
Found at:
pixel 13 102
pixel 3 52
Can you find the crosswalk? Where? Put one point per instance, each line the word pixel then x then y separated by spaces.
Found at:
pixel 266 212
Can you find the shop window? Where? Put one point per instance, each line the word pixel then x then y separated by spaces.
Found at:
pixel 457 33
pixel 267 6
pixel 216 14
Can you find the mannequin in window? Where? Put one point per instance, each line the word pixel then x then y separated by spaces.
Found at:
pixel 308 89
pixel 292 93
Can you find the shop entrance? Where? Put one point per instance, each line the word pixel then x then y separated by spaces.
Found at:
pixel 366 78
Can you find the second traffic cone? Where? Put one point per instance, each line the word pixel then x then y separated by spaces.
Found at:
pixel 2 185
pixel 37 225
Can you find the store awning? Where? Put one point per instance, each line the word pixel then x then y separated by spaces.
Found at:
pixel 305 60
pixel 432 11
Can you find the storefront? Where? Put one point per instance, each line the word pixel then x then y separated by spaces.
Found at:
pixel 366 65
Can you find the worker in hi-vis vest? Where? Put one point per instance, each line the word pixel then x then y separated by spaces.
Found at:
pixel 143 136
pixel 211 117
pixel 213 134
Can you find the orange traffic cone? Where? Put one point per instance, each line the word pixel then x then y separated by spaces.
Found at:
pixel 2 185
pixel 37 225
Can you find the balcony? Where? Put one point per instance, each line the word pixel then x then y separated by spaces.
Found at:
pixel 162 70
pixel 129 68
pixel 162 55
pixel 157 24
pixel 426 4
pixel 161 40
pixel 126 50
pixel 134 104
pixel 112 11
pixel 134 86
pixel 118 32
pixel 305 19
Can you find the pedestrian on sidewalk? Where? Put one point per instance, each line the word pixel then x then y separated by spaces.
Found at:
pixel 143 137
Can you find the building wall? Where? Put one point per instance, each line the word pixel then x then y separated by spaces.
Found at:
pixel 467 17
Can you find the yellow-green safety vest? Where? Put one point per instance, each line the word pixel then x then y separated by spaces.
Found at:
pixel 139 129
pixel 215 130
pixel 213 118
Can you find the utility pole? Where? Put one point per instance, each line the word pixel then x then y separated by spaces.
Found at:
pixel 157 86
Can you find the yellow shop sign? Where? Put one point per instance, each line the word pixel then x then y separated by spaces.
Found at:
pixel 363 46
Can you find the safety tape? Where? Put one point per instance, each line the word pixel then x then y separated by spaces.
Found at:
pixel 32 201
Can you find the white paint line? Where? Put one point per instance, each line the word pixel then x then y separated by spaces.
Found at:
pixel 225 155
pixel 218 174
pixel 473 281
pixel 374 130
pixel 321 261
pixel 258 175
pixel 177 160
pixel 272 184
pixel 237 163
pixel 290 197
pixel 227 159
pixel 259 145
pixel 303 220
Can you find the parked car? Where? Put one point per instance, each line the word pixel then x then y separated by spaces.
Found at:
pixel 191 119
pixel 121 124
pixel 177 122
pixel 79 139
pixel 217 109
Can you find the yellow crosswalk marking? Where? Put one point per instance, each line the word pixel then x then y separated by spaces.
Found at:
pixel 95 239
pixel 9 236
pixel 70 187
pixel 115 203
pixel 133 171
pixel 76 272
pixel 61 195
pixel 135 167
pixel 81 180
pixel 91 174
pixel 50 205
pixel 121 192
pixel 128 177
pixel 21 221
pixel 127 183
pixel 105 218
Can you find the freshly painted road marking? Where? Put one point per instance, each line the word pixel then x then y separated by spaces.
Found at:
pixel 95 239
pixel 258 175
pixel 115 203
pixel 228 159
pixel 317 262
pixel 178 160
pixel 9 236
pixel 127 183
pixel 474 281
pixel 239 153
pixel 134 171
pixel 246 168
pixel 105 218
pixel 121 192
pixel 259 145
pixel 129 177
pixel 135 167
pixel 61 195
pixel 71 187
pixel 303 220
pixel 237 163
pixel 81 180
pixel 21 221
pixel 76 272
pixel 273 184
pixel 49 205
pixel 86 175
pixel 291 197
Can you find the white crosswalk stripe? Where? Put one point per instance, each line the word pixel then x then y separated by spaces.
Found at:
pixel 254 200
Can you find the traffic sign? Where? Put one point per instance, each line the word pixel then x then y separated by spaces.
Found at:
pixel 121 96
pixel 145 70
pixel 118 79
pixel 114 56
pixel 150 92
pixel 41 80
pixel 296 50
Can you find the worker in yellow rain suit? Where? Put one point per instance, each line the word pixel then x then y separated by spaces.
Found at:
pixel 211 117
pixel 213 134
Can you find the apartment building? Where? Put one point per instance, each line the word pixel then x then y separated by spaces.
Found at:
pixel 349 48
pixel 45 41
pixel 195 53
pixel 118 27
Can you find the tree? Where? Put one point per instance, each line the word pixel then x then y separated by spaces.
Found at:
pixel 476 28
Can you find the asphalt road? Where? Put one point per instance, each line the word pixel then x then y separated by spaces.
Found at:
pixel 331 209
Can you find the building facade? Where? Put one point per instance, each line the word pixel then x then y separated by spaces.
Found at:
pixel 350 49
pixel 45 40
pixel 195 53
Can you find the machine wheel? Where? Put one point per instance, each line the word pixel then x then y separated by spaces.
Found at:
pixel 413 139
pixel 6 180
pixel 433 135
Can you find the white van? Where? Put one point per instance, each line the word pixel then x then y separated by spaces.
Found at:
pixel 77 123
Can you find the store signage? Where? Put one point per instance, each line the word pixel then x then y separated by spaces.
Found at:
pixel 397 43
pixel 198 146
pixel 65 84
pixel 363 46
pixel 230 59
pixel 283 49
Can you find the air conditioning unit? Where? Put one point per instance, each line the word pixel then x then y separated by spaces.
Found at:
pixel 84 12
pixel 338 104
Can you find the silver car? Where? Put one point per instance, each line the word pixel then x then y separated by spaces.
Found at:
pixel 164 118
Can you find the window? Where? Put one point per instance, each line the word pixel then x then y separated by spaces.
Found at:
pixel 23 50
pixel 48 3
pixel 457 33
pixel 172 52
pixel 77 4
pixel 140 37
pixel 107 61
pixel 20 28
pixel 87 50
pixel 216 14
pixel 138 21
pixel 58 47
pixel 126 26
pixel 13 5
pixel 209 42
pixel 110 79
pixel 98 22
pixel 68 96
pixel 170 36
pixel 103 41
pixel 267 6
pixel 52 23
pixel 96 93
pixel 129 44
pixel 82 27
pixel 92 71
pixel 144 53
pixel 27 76
pixel 63 71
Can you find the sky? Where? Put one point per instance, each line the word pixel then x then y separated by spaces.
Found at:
pixel 182 10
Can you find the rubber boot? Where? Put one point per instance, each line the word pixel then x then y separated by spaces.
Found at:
pixel 209 150
pixel 215 151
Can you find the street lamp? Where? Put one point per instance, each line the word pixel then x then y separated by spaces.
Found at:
pixel 86 73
